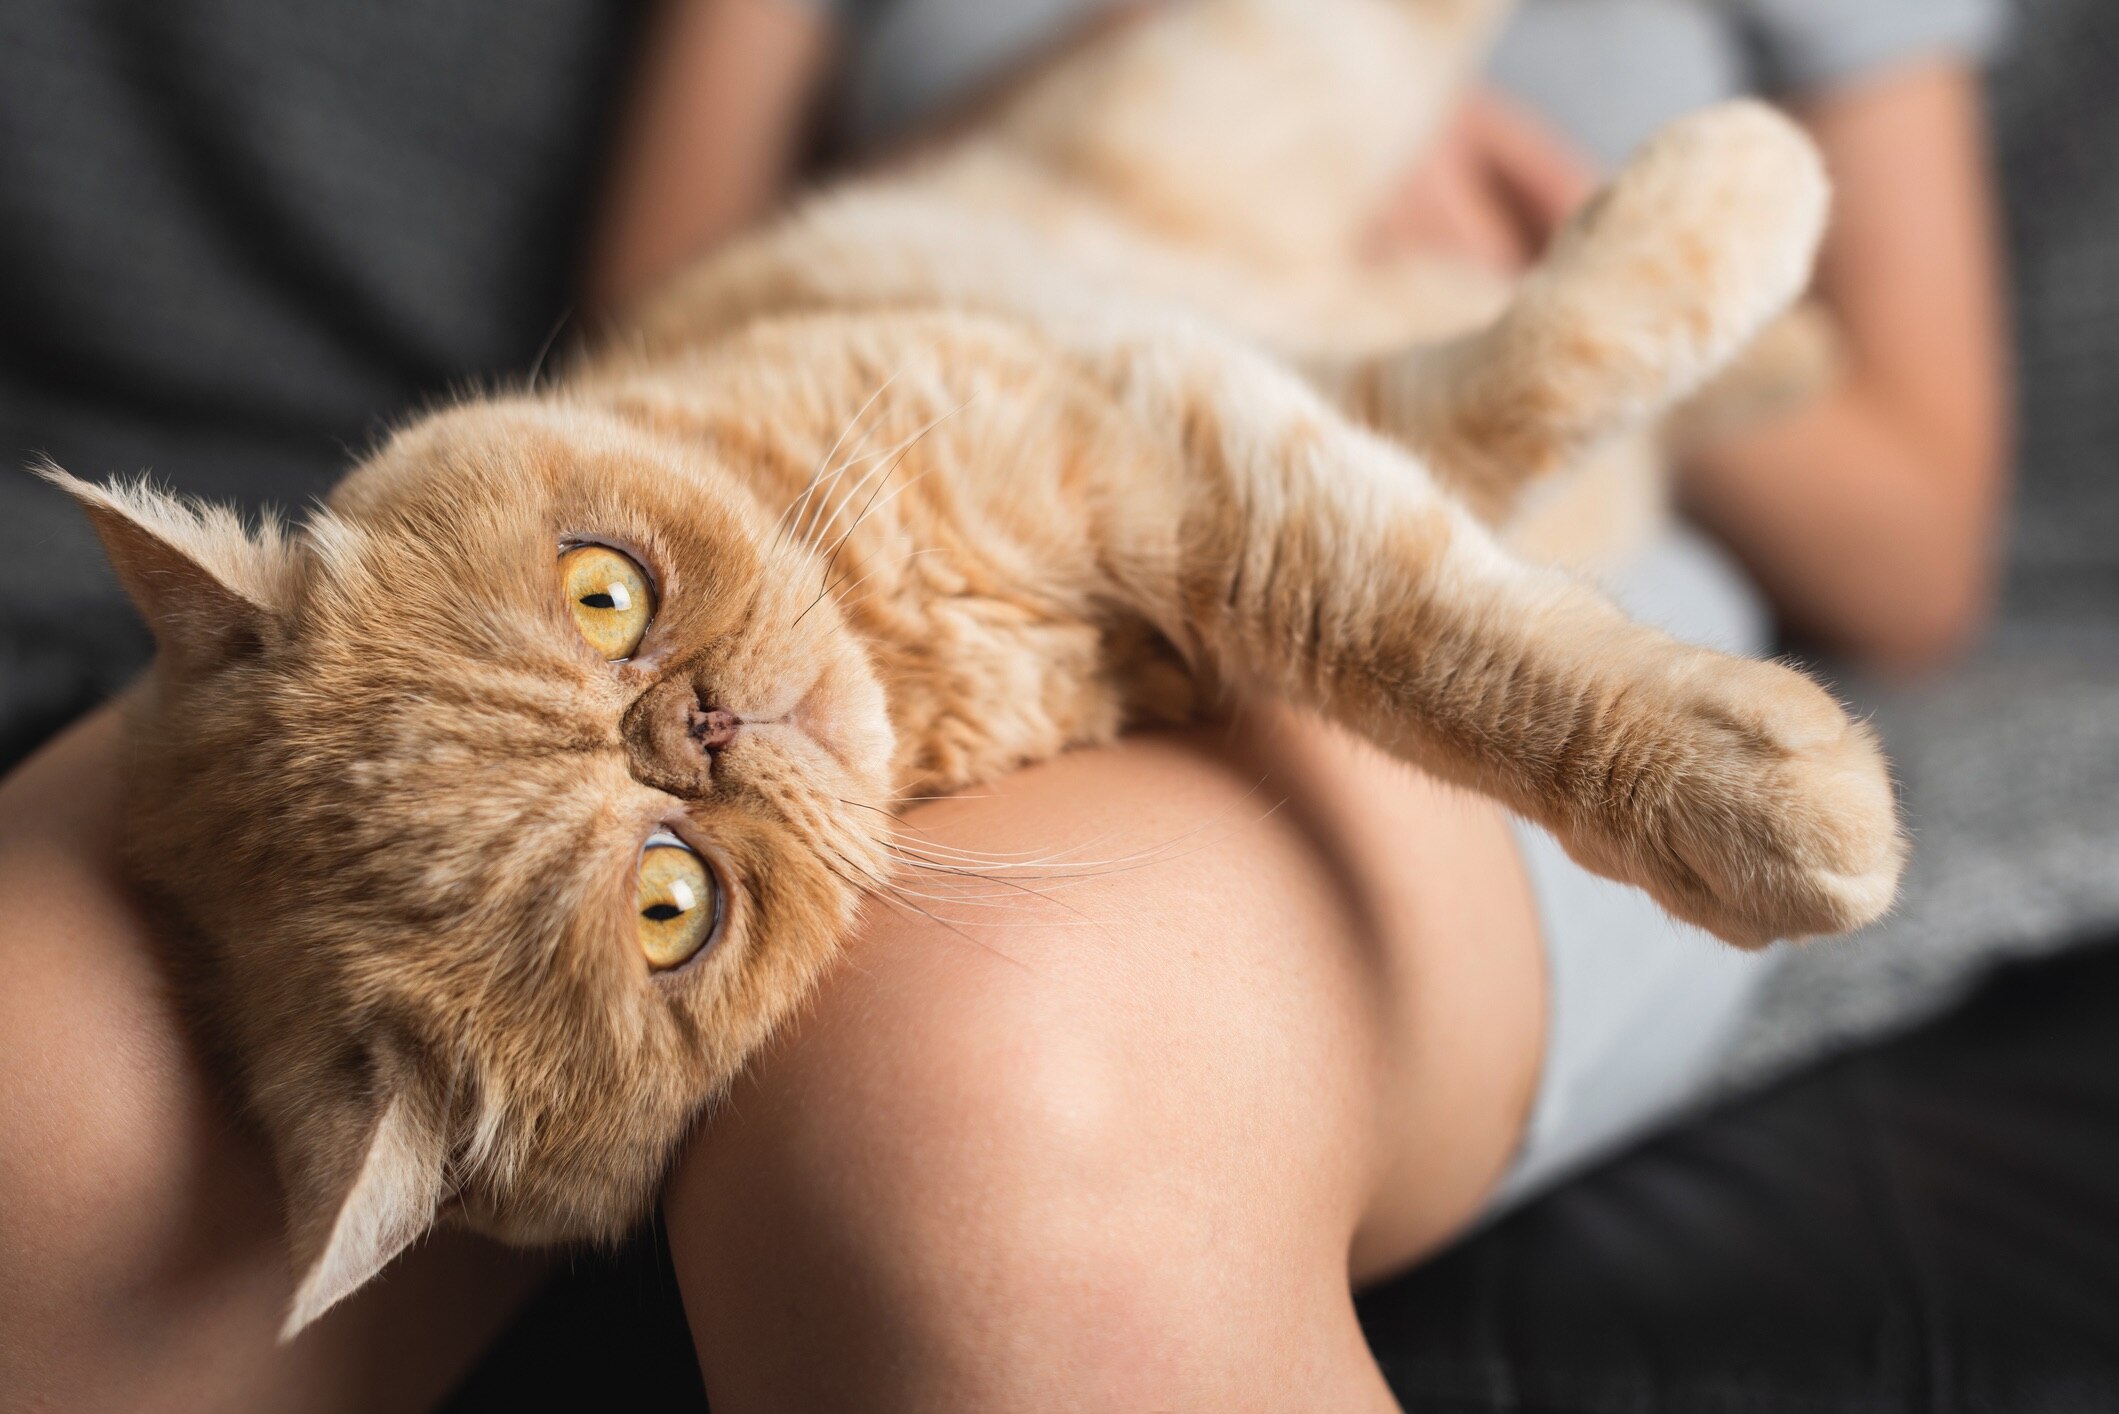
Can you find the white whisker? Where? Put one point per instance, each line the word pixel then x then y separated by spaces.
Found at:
pixel 825 461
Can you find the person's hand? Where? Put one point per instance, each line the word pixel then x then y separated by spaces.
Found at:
pixel 1492 189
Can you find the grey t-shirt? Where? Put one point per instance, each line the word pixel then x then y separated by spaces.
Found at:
pixel 1609 72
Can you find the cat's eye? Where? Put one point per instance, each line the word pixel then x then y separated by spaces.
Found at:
pixel 609 596
pixel 677 902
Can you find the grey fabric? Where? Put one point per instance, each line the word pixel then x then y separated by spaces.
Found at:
pixel 2010 763
pixel 1610 72
pixel 1799 45
pixel 239 236
pixel 909 61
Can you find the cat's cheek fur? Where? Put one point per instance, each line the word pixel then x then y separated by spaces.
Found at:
pixel 402 874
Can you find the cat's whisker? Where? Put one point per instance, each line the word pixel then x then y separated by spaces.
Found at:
pixel 825 478
pixel 855 457
pixel 790 551
pixel 992 900
pixel 880 474
pixel 903 449
pixel 544 350
pixel 840 544
pixel 901 488
pixel 1087 871
pixel 934 917
pixel 807 525
pixel 993 873
pixel 837 591
pixel 824 462
pixel 1011 905
pixel 1052 883
pixel 906 829
pixel 1025 855
pixel 840 590
pixel 1004 902
pixel 837 864
pixel 989 900
pixel 896 896
pixel 1025 859
pixel 942 854
pixel 1058 870
pixel 1022 888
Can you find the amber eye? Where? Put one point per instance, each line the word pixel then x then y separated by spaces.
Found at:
pixel 677 900
pixel 609 596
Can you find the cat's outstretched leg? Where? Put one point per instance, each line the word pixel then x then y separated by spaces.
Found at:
pixel 1267 129
pixel 1654 288
pixel 1301 552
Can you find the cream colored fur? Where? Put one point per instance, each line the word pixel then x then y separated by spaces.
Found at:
pixel 1087 420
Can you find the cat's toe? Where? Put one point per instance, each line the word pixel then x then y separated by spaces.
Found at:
pixel 1712 229
pixel 1742 189
pixel 1791 828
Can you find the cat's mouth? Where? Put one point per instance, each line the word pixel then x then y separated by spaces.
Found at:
pixel 813 718
pixel 840 712
pixel 810 718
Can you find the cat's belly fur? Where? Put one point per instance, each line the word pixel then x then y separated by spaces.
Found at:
pixel 981 232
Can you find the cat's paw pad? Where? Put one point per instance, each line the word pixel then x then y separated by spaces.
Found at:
pixel 1782 823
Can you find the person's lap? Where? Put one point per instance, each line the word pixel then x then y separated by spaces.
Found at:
pixel 1126 1146
pixel 1104 1136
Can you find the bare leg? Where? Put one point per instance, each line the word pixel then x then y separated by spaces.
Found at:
pixel 1122 1149
pixel 143 1262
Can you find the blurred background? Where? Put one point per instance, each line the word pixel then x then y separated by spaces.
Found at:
pixel 239 239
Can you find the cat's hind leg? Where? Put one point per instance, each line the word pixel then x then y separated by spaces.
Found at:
pixel 1266 129
pixel 1663 280
pixel 1283 546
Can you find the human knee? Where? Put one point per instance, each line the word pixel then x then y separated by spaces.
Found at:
pixel 1088 1129
pixel 975 1181
pixel 1010 1097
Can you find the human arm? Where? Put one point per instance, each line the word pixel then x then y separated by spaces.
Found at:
pixel 1871 516
pixel 1493 188
pixel 709 136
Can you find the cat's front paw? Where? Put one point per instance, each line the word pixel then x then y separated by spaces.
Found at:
pixel 1707 234
pixel 1778 820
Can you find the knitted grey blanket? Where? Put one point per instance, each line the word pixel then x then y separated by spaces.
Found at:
pixel 2009 764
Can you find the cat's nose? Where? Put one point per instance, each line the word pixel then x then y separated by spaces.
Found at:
pixel 711 727
pixel 672 734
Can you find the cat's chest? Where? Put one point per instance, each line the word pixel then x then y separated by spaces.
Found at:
pixel 979 685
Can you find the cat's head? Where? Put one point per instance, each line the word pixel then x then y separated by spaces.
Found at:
pixel 506 806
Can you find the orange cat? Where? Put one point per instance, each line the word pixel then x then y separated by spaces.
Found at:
pixel 507 805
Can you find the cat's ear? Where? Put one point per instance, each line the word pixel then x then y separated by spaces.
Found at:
pixel 207 587
pixel 365 1179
